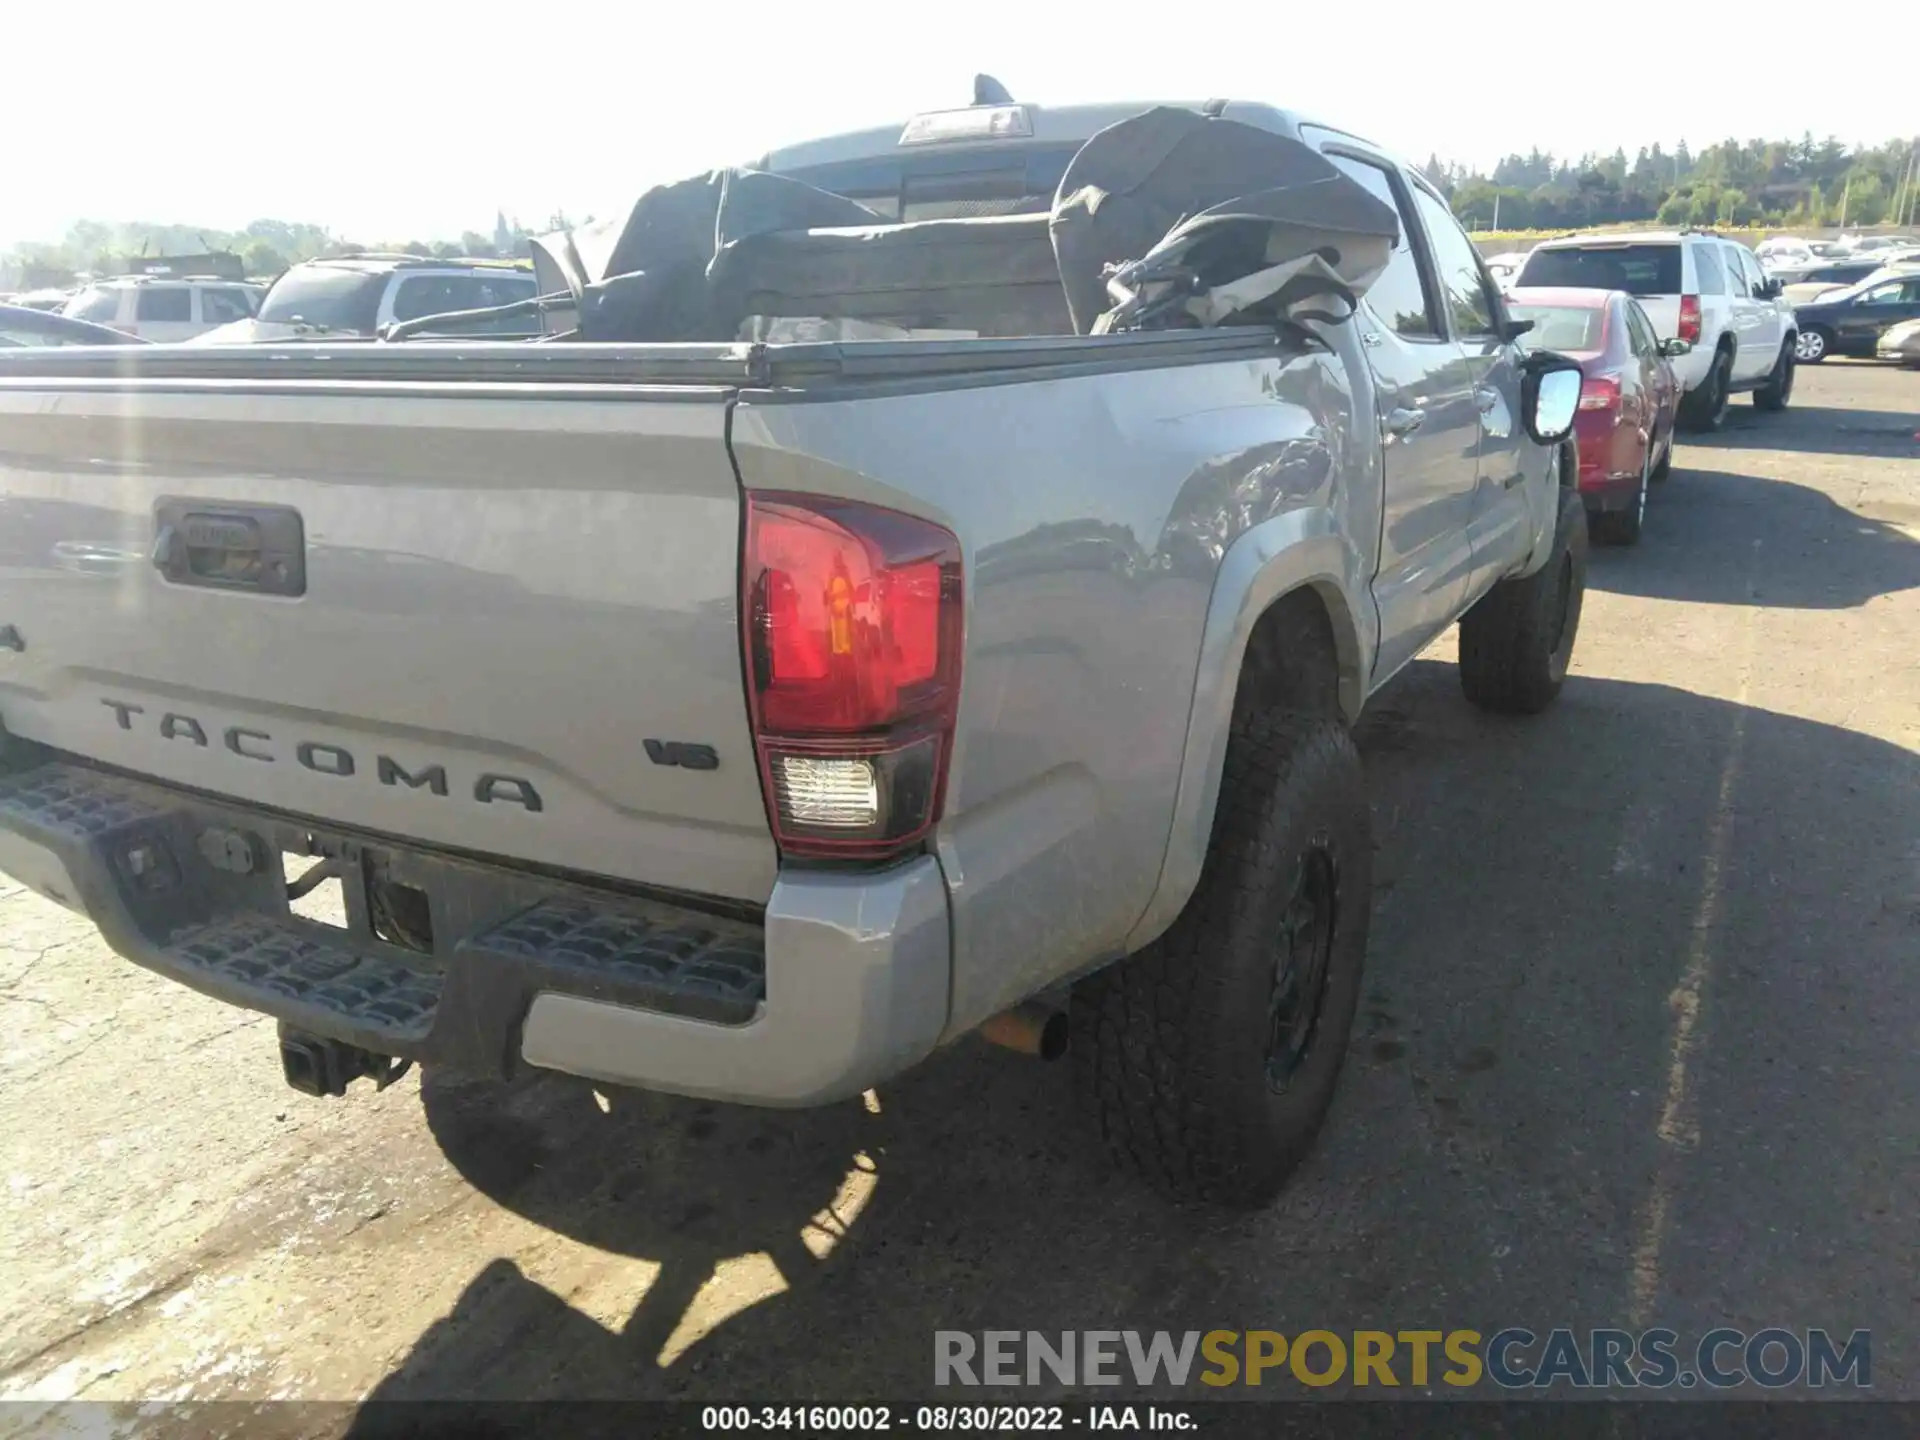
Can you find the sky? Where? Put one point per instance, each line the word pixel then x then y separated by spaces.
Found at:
pixel 418 121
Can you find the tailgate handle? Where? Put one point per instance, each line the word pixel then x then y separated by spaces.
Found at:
pixel 260 549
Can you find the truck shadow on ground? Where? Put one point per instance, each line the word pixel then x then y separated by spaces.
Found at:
pixel 1488 1155
pixel 1702 527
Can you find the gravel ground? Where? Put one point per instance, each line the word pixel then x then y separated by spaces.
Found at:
pixel 1637 1048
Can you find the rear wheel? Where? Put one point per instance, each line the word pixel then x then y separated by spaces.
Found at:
pixel 1779 387
pixel 1810 347
pixel 1209 1059
pixel 1517 640
pixel 1622 527
pixel 1706 408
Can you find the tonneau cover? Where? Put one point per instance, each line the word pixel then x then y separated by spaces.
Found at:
pixel 1209 202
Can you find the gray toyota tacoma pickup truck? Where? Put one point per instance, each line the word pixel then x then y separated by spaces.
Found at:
pixel 921 588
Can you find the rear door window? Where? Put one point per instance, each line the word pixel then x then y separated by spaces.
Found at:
pixel 1398 297
pixel 1713 274
pixel 1743 270
pixel 1649 269
pixel 165 304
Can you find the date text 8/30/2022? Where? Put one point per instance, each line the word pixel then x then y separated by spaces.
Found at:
pixel 825 1419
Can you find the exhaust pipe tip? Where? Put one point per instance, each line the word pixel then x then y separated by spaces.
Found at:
pixel 1030 1029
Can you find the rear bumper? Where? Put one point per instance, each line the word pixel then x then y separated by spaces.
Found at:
pixel 1611 454
pixel 843 984
pixel 1614 495
pixel 1692 368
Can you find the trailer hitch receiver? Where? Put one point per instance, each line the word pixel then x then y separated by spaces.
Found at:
pixel 315 1065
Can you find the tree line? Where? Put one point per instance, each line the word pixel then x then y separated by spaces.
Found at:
pixel 1791 183
pixel 266 247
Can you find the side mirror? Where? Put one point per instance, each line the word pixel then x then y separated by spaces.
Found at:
pixel 1549 396
pixel 1673 349
pixel 1769 289
pixel 1514 329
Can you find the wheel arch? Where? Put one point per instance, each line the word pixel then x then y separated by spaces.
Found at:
pixel 1292 574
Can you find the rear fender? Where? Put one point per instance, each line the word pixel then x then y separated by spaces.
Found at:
pixel 1302 549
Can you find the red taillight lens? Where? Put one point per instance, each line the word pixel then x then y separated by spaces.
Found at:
pixel 1690 318
pixel 1600 392
pixel 853 634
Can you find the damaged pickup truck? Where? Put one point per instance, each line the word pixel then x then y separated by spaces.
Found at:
pixel 921 585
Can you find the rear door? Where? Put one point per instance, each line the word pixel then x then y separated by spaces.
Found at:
pixel 443 610
pixel 1429 426
pixel 1717 286
pixel 1501 527
pixel 1756 323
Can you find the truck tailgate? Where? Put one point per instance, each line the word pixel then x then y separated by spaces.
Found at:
pixel 496 619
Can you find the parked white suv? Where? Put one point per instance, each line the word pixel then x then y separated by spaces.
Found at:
pixel 355 296
pixel 164 309
pixel 1695 287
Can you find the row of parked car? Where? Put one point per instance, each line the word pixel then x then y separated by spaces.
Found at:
pixel 1669 325
pixel 345 297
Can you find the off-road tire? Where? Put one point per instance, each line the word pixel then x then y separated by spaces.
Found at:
pixel 1171 1046
pixel 1705 409
pixel 1517 640
pixel 1779 387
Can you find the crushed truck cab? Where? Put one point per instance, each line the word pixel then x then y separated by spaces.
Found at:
pixel 859 623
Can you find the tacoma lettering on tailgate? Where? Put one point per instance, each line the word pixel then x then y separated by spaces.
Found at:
pixel 322 758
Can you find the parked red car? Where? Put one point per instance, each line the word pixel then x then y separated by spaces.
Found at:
pixel 1628 397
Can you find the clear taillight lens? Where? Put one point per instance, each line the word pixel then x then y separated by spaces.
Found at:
pixel 853 623
pixel 1600 392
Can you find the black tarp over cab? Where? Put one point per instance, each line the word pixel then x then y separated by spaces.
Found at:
pixel 1170 218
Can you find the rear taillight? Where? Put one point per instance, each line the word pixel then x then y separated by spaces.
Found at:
pixel 853 637
pixel 1690 319
pixel 1599 392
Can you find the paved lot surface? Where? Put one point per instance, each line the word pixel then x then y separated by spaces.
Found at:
pixel 1638 1046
